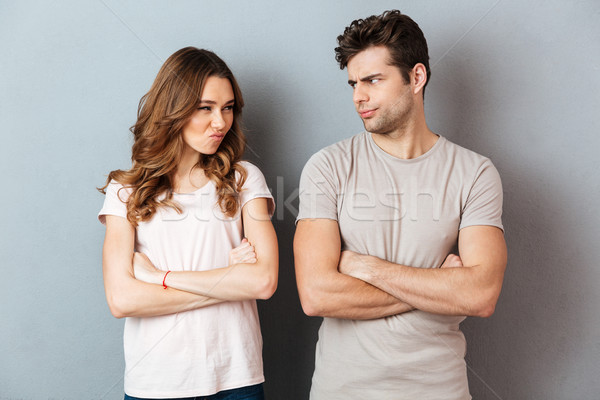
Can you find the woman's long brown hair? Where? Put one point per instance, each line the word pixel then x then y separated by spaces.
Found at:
pixel 158 143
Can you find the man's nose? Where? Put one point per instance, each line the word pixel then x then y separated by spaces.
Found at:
pixel 360 94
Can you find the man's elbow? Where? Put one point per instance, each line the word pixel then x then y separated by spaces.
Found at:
pixel 311 309
pixel 486 306
pixel 486 311
pixel 311 303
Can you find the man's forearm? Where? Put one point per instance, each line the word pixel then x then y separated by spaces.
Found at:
pixel 326 292
pixel 449 291
pixel 342 296
pixel 472 290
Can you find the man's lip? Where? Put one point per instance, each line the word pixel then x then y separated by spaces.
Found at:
pixel 367 113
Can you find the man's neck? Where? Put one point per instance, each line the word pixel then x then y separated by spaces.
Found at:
pixel 407 143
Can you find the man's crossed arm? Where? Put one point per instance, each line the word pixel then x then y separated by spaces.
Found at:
pixel 356 286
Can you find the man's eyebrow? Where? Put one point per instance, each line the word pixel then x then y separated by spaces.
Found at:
pixel 214 102
pixel 366 78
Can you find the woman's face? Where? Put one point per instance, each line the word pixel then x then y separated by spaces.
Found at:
pixel 213 118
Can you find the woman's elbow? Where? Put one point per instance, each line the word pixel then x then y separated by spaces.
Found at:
pixel 266 284
pixel 267 287
pixel 115 309
pixel 118 305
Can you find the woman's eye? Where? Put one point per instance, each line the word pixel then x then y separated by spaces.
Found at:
pixel 228 108
pixel 204 108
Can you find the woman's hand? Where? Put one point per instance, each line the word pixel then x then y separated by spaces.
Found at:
pixel 244 253
pixel 145 271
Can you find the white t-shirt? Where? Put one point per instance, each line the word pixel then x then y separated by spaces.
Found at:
pixel 408 212
pixel 203 351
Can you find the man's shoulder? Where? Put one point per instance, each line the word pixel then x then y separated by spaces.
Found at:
pixel 334 161
pixel 470 167
pixel 462 154
pixel 339 151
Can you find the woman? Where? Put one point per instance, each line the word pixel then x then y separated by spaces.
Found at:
pixel 189 243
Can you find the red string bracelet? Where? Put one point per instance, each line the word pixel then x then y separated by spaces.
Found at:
pixel 164 285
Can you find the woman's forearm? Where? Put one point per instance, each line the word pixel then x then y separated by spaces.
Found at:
pixel 242 280
pixel 129 297
pixel 235 282
pixel 139 299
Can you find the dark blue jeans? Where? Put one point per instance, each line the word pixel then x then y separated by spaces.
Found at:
pixel 254 392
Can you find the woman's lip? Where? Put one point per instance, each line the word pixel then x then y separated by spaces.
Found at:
pixel 217 136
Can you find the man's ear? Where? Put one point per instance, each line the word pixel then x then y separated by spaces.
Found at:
pixel 418 78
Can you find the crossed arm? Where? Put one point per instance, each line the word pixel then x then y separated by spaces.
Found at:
pixel 145 296
pixel 357 286
pixel 325 291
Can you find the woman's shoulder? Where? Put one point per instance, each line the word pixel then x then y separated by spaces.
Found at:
pixel 251 169
pixel 255 179
pixel 255 186
pixel 121 190
pixel 248 165
pixel 115 183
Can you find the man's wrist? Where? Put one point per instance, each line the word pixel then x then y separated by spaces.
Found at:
pixel 365 267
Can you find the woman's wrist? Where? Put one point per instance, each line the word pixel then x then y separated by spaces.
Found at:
pixel 164 279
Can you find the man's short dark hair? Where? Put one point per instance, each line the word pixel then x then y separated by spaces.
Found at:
pixel 392 29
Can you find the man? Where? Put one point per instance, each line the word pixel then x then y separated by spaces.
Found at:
pixel 379 214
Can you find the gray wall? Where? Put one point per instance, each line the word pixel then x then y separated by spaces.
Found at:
pixel 517 81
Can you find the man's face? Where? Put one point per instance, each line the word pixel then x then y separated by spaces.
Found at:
pixel 381 96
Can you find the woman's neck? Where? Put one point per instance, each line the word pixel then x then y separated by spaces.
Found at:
pixel 189 177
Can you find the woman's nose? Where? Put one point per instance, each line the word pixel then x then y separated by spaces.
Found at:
pixel 218 122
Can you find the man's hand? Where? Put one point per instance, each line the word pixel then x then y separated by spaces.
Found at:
pixel 356 265
pixel 452 261
pixel 244 253
pixel 353 264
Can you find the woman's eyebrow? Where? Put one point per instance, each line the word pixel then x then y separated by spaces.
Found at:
pixel 214 102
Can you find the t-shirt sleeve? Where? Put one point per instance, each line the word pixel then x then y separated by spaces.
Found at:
pixel 484 202
pixel 115 202
pixel 318 190
pixel 255 187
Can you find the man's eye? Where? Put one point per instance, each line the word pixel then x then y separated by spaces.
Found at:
pixel 374 80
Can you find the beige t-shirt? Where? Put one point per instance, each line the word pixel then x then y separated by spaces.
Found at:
pixel 408 212
pixel 203 351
